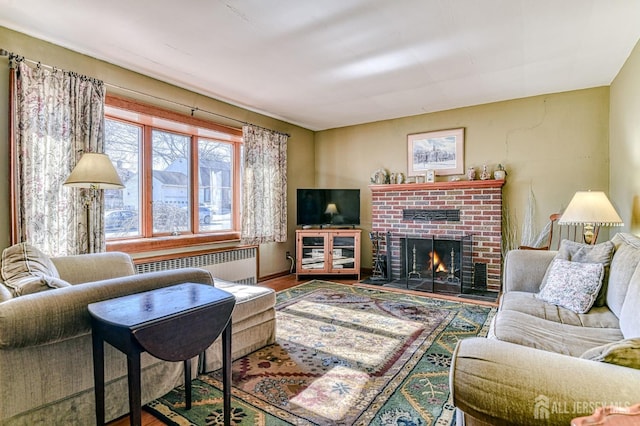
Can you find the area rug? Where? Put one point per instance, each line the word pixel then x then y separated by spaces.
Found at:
pixel 345 355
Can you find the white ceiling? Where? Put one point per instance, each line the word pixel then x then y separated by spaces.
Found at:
pixel 330 63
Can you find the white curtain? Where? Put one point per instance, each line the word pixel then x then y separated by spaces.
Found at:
pixel 264 186
pixel 58 116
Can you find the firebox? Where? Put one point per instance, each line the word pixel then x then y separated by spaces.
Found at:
pixel 438 265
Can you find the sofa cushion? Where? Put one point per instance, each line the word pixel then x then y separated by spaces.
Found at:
pixel 623 265
pixel 528 303
pixel 572 285
pixel 5 293
pixel 625 352
pixel 524 270
pixel 26 270
pixel 528 330
pixel 94 266
pixel 587 253
pixel 250 299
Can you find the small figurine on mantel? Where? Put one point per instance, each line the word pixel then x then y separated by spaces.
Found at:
pixel 471 173
pixel 485 173
pixel 500 173
pixel 380 177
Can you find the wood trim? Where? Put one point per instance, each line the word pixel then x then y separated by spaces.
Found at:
pixel 170 242
pixel 461 184
pixel 273 276
pixel 150 110
pixel 194 195
pixel 146 186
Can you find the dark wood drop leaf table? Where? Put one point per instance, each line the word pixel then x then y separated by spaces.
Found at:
pixel 174 324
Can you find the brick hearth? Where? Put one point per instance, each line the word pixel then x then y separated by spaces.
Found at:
pixel 480 206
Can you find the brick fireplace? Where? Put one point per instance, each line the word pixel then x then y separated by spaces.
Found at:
pixel 447 211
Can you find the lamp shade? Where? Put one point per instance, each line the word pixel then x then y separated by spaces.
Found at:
pixel 94 171
pixel 590 207
pixel 331 209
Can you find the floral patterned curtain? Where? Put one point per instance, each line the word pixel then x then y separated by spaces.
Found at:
pixel 264 186
pixel 58 116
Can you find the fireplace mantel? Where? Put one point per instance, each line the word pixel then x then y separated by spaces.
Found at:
pixel 461 184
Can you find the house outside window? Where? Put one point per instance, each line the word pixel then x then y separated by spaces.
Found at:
pixel 181 177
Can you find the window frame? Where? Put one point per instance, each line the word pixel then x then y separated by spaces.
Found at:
pixel 150 117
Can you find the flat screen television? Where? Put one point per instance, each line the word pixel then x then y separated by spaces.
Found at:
pixel 337 207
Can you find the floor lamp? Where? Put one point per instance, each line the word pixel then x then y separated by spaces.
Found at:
pixel 93 172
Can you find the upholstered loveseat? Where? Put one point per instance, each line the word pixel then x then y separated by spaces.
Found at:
pixel 46 370
pixel 544 363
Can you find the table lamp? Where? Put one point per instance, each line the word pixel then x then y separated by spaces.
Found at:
pixel 332 209
pixel 591 209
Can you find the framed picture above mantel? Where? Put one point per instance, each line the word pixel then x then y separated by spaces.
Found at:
pixel 440 151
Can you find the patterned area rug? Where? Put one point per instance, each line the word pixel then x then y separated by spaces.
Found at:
pixel 345 355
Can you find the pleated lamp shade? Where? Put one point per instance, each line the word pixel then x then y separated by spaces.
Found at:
pixel 590 207
pixel 94 171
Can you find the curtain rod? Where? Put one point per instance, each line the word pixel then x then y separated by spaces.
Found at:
pixel 193 109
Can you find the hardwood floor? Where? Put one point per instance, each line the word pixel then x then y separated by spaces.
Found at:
pixel 283 283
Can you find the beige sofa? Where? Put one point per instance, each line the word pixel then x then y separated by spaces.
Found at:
pixel 545 364
pixel 46 369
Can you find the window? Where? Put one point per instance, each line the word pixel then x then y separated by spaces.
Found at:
pixel 181 177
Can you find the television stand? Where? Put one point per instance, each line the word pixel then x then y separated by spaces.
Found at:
pixel 328 251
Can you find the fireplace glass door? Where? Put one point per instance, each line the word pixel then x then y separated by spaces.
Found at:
pixel 435 264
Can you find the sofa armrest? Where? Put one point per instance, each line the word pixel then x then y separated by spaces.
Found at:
pixel 504 383
pixel 525 269
pixel 84 268
pixel 54 315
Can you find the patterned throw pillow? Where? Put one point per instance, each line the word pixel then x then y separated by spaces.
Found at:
pixel 625 352
pixel 572 285
pixel 26 270
pixel 587 253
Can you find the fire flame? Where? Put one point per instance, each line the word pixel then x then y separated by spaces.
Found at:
pixel 436 263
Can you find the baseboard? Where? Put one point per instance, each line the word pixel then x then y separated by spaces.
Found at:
pixel 272 276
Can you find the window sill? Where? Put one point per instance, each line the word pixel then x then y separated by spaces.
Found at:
pixel 170 242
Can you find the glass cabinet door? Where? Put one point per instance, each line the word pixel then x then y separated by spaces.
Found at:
pixel 313 253
pixel 343 253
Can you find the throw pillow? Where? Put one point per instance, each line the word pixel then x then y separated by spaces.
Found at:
pixel 572 285
pixel 586 253
pixel 26 270
pixel 625 352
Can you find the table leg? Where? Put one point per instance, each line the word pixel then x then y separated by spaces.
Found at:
pixel 135 402
pixel 98 375
pixel 187 383
pixel 226 373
